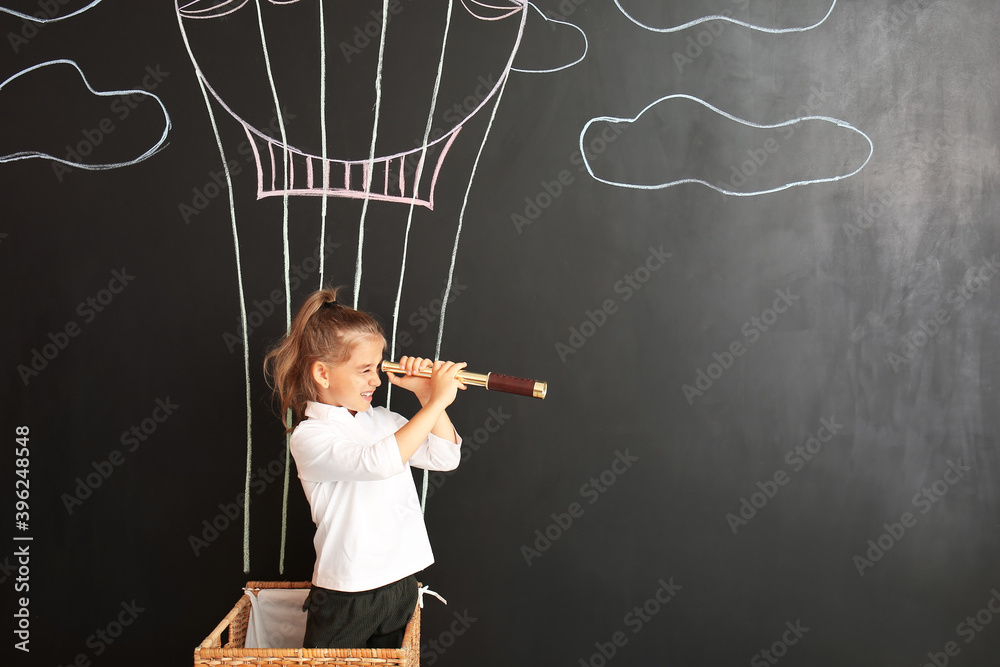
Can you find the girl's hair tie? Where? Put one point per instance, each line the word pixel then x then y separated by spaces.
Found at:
pixel 329 304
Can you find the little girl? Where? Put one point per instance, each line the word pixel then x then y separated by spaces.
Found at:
pixel 354 462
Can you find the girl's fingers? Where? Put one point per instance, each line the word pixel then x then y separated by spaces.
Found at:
pixel 411 365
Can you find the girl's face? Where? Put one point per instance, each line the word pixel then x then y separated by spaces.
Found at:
pixel 352 383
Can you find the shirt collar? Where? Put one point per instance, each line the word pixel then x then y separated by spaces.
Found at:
pixel 316 410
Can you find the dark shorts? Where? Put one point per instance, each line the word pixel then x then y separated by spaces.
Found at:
pixel 365 619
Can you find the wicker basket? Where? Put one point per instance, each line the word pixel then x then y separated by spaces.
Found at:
pixel 224 647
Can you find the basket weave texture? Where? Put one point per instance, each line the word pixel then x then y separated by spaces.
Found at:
pixel 225 646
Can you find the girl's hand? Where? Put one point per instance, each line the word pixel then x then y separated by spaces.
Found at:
pixel 407 380
pixel 444 384
pixel 441 386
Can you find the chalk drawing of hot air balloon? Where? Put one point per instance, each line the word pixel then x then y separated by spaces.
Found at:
pixel 371 74
pixel 242 55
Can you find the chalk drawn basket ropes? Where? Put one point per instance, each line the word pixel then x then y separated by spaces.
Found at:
pixel 225 646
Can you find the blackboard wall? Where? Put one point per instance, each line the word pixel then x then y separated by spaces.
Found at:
pixel 771 430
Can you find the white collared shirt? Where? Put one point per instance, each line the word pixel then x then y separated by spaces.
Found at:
pixel 369 527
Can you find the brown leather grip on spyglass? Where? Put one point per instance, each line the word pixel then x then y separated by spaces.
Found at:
pixel 510 384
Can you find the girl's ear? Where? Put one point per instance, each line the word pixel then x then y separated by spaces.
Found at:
pixel 321 374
